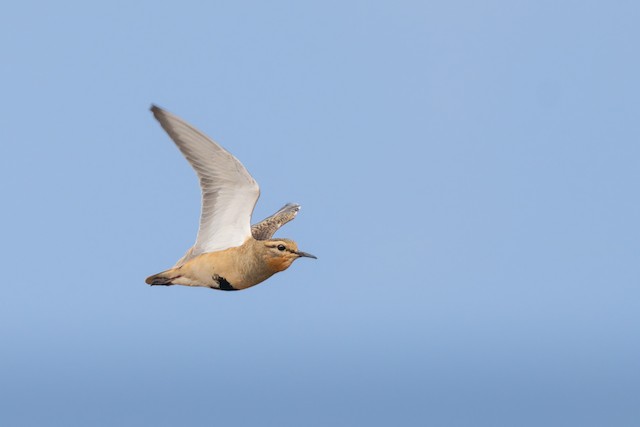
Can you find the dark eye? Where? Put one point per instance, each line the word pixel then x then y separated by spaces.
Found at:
pixel 281 247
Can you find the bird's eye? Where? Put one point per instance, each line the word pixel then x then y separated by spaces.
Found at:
pixel 281 247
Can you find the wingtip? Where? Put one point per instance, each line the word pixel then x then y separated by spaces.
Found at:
pixel 289 207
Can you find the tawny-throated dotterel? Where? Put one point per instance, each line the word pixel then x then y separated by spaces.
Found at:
pixel 229 254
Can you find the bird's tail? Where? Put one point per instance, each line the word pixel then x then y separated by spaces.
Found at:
pixel 162 279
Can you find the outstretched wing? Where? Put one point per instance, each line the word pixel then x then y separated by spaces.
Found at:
pixel 229 192
pixel 267 227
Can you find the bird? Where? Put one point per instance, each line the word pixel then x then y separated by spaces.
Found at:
pixel 229 254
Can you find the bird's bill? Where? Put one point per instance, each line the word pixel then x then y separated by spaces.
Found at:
pixel 306 254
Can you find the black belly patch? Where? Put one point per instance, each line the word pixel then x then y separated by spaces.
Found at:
pixel 223 284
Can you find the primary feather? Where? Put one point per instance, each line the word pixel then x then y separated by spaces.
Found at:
pixel 229 192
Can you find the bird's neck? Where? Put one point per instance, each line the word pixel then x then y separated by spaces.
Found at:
pixel 264 261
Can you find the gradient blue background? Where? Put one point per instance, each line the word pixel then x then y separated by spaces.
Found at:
pixel 469 179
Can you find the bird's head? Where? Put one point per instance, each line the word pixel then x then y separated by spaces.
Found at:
pixel 280 253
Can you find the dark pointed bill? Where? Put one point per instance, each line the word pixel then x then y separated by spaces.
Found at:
pixel 308 255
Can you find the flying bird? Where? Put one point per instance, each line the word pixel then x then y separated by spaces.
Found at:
pixel 229 254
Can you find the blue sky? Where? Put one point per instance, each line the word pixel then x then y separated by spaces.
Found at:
pixel 468 173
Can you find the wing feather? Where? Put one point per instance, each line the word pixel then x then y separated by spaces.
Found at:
pixel 266 228
pixel 229 192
